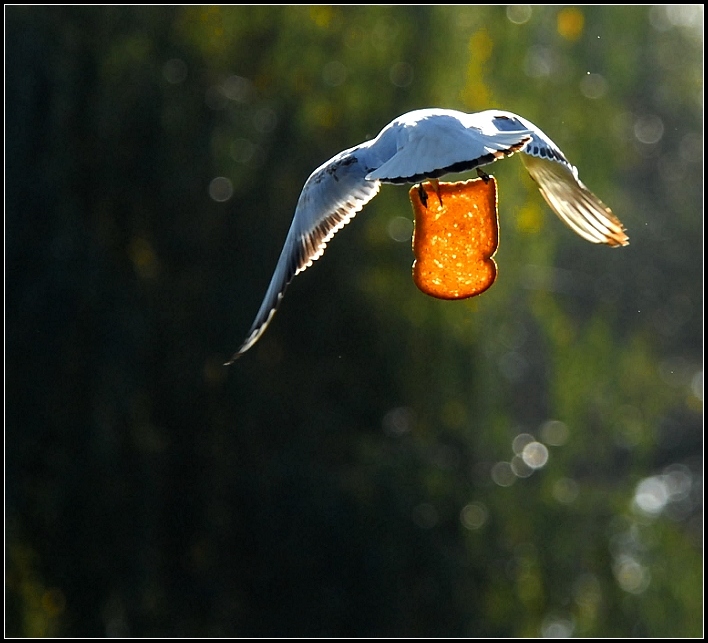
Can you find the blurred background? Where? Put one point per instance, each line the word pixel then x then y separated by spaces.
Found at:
pixel 526 463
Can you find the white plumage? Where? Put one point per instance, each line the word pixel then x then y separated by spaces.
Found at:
pixel 426 144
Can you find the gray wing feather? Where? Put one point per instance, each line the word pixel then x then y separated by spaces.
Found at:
pixel 576 206
pixel 560 186
pixel 331 197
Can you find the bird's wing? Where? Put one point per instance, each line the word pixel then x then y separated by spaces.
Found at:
pixel 442 143
pixel 560 186
pixel 331 197
pixel 577 206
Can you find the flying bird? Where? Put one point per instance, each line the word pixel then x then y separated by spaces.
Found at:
pixel 424 145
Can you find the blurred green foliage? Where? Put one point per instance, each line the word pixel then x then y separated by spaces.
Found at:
pixel 362 471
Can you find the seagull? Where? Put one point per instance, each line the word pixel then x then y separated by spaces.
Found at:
pixel 426 144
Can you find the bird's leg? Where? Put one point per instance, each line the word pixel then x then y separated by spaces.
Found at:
pixel 436 186
pixel 483 175
pixel 423 195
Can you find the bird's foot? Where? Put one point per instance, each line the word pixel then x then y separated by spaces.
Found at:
pixel 423 195
pixel 483 175
pixel 436 186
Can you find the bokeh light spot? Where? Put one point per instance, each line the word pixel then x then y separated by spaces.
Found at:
pixel 398 421
pixel 400 229
pixel 535 455
pixel 565 490
pixel 555 627
pixel 689 16
pixel 241 150
pixel 651 495
pixel 630 575
pixel 570 23
pixel 221 189
pixel 520 441
pixel 321 15
pixel 554 432
pixel 503 474
pixel 691 148
pixel 519 14
pixel 474 515
pixel 520 468
pixel 648 129
pixel 238 89
pixel 587 590
pixel 697 385
pixel 593 86
pixel 401 74
pixel 539 62
pixel 678 480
